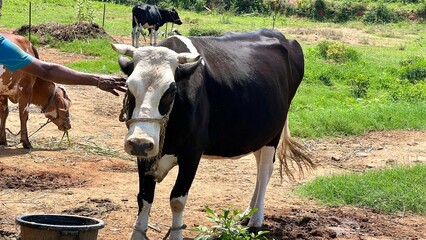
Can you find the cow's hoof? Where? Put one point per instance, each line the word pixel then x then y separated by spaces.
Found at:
pixel 27 145
pixel 245 221
pixel 255 230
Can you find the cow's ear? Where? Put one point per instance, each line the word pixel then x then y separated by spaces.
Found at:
pixel 126 65
pixel 124 49
pixel 183 71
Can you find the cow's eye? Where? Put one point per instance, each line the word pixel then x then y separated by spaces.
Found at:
pixel 167 99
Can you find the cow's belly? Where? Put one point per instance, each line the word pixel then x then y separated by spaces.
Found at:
pixel 146 25
pixel 6 91
pixel 8 86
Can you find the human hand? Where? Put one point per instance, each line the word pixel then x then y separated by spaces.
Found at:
pixel 112 84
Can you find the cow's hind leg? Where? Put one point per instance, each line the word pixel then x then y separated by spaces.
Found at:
pixel 145 199
pixel 4 112
pixel 134 36
pixel 265 166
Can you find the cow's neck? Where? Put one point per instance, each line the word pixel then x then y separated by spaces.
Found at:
pixel 42 92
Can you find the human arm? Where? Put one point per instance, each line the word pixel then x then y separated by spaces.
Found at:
pixel 63 75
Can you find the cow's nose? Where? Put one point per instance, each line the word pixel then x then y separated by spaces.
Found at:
pixel 140 147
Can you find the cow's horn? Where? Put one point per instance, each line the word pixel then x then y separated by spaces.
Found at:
pixel 124 49
pixel 188 57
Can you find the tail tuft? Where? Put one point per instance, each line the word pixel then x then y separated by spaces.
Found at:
pixel 290 148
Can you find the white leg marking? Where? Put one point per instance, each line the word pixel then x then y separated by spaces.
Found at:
pixel 141 224
pixel 256 189
pixel 264 172
pixel 155 37
pixel 177 205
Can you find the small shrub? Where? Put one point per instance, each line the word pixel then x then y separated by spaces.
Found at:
pixel 204 32
pixel 380 15
pixel 287 9
pixel 85 12
pixel 347 11
pixel 421 12
pixel 325 79
pixel 404 91
pixel 413 69
pixel 337 52
pixel 359 87
pixel 228 226
pixel 319 10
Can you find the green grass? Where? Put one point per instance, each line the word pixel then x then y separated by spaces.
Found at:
pixel 399 189
pixel 326 103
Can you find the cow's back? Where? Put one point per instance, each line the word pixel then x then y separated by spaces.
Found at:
pixel 247 82
pixel 145 14
pixel 9 81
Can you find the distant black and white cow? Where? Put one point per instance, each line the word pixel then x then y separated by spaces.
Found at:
pixel 225 96
pixel 151 17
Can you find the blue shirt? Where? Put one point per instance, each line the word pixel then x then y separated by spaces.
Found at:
pixel 12 56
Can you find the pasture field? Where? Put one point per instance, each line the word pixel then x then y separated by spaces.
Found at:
pixel 353 116
pixel 365 93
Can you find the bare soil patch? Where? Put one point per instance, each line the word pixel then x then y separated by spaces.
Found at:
pixel 94 177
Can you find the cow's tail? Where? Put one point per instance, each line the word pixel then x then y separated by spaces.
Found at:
pixel 35 51
pixel 290 148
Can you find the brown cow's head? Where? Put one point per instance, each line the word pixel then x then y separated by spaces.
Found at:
pixel 57 109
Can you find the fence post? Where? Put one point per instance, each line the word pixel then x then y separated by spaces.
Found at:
pixel 103 17
pixel 29 22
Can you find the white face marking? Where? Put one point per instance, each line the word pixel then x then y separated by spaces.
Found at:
pixel 51 114
pixel 152 76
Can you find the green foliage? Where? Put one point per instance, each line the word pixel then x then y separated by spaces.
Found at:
pixel 204 32
pixel 413 69
pixel 360 86
pixel 380 15
pixel 398 189
pixel 421 12
pixel 406 91
pixel 85 11
pixel 248 6
pixel 337 52
pixel 228 226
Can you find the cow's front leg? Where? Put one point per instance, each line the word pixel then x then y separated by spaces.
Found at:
pixel 24 105
pixel 155 33
pixel 145 199
pixel 4 112
pixel 150 36
pixel 134 37
pixel 187 168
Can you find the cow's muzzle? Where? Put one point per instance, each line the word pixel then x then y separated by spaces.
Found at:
pixel 139 147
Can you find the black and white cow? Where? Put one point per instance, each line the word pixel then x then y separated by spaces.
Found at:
pixel 219 96
pixel 151 17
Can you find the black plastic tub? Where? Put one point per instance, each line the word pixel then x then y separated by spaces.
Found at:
pixel 58 227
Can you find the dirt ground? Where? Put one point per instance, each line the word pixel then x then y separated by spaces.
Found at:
pixel 92 176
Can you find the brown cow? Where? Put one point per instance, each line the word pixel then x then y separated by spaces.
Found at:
pixel 25 89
